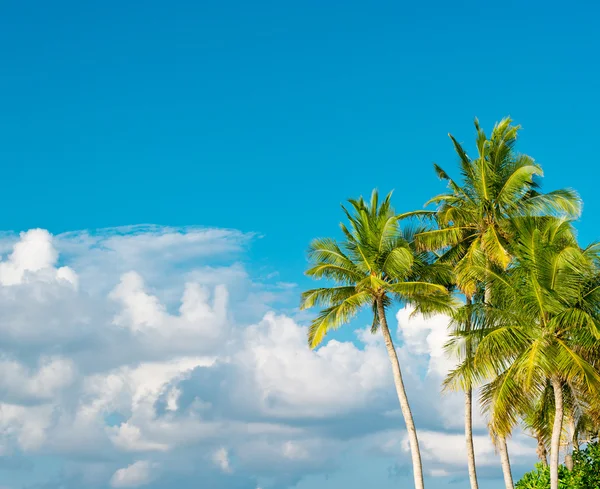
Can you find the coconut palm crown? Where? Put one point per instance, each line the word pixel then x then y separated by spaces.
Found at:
pixel 498 185
pixel 376 263
pixel 541 326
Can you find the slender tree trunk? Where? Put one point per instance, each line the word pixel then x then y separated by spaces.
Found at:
pixel 404 406
pixel 569 461
pixel 503 449
pixel 469 438
pixel 556 432
pixel 571 444
pixel 469 418
pixel 541 451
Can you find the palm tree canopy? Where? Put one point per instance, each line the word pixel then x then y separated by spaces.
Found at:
pixel 377 261
pixel 542 321
pixel 497 186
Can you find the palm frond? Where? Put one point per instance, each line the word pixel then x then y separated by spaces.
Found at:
pixel 333 317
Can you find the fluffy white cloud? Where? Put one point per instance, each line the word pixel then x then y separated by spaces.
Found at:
pixel 292 380
pixel 450 450
pixel 221 459
pixel 157 344
pixel 198 319
pixel 19 382
pixel 424 340
pixel 135 475
pixel 34 258
pixel 24 426
pixel 160 254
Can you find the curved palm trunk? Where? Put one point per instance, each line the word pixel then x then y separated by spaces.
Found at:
pixel 503 449
pixel 404 406
pixel 571 444
pixel 556 432
pixel 569 461
pixel 469 438
pixel 469 422
pixel 541 451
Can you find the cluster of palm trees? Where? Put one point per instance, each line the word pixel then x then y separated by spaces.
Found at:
pixel 501 258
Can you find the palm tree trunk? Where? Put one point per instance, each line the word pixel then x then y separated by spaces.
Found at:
pixel 556 432
pixel 541 451
pixel 404 406
pixel 571 444
pixel 469 420
pixel 569 461
pixel 503 449
pixel 469 438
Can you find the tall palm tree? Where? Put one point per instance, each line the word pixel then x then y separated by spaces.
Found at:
pixel 376 264
pixel 465 377
pixel 474 227
pixel 582 413
pixel 537 419
pixel 498 185
pixel 541 327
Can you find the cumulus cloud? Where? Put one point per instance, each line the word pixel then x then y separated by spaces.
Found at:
pixel 150 356
pixel 449 449
pixel 34 258
pixel 155 252
pixel 221 459
pixel 24 426
pixel 135 475
pixel 143 313
pixel 423 346
pixel 21 383
pixel 292 380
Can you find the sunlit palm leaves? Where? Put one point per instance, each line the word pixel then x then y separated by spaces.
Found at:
pixel 475 216
pixel 377 259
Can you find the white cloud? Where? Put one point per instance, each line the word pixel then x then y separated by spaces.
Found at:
pixel 52 375
pixel 424 340
pixel 292 380
pixel 135 475
pixel 129 437
pixel 221 459
pixel 444 453
pixel 172 398
pixel 33 258
pixel 26 425
pixel 152 251
pixel 142 312
pixel 426 336
pixel 450 449
pixel 164 355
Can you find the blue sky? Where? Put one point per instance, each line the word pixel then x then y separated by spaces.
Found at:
pixel 260 118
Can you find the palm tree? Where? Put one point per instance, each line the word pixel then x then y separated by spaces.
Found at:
pixel 582 414
pixel 463 345
pixel 474 228
pixel 463 378
pixel 541 326
pixel 498 186
pixel 537 419
pixel 376 264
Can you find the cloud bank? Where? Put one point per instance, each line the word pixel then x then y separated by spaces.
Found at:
pixel 150 357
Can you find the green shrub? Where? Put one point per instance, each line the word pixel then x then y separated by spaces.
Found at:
pixel 585 474
pixel 586 467
pixel 540 479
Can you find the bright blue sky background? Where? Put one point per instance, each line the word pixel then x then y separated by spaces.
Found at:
pixel 265 116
